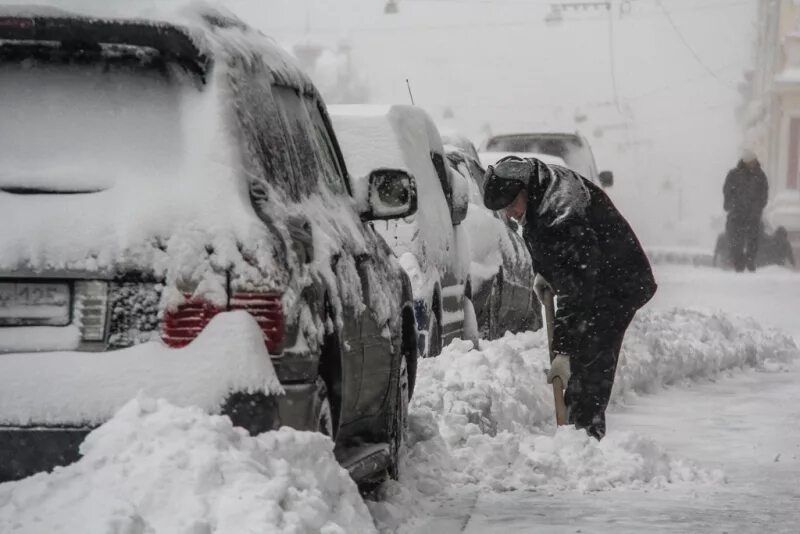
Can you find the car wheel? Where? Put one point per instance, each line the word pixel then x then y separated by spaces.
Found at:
pixel 434 336
pixel 399 432
pixel 323 415
pixel 494 329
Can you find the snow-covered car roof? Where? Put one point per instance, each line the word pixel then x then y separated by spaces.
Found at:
pixel 198 29
pixel 459 141
pixel 391 135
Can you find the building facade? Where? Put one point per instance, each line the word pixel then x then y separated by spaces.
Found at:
pixel 771 114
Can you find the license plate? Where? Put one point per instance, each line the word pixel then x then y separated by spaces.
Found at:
pixel 32 304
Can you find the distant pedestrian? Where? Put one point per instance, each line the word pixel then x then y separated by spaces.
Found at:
pixel 591 258
pixel 745 191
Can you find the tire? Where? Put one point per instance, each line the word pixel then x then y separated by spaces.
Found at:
pixel 399 429
pixel 323 414
pixel 434 336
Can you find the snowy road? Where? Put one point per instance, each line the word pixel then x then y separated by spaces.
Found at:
pixel 746 424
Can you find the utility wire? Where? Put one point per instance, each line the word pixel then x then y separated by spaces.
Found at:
pixel 691 50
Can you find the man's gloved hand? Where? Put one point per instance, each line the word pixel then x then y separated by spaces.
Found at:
pixel 559 368
pixel 540 285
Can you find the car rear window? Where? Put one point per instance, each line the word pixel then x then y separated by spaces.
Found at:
pixel 86 125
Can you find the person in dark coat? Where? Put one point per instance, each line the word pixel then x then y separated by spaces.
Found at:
pixel 595 265
pixel 745 191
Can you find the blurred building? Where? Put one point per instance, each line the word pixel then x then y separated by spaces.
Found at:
pixel 771 112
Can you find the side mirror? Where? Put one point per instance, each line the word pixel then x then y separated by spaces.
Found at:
pixel 392 195
pixel 460 198
pixel 606 178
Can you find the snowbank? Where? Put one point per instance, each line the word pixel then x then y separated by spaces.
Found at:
pixel 485 417
pixel 156 468
pixel 680 256
pixel 88 388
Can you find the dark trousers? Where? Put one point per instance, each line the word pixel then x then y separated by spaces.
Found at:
pixel 593 369
pixel 743 240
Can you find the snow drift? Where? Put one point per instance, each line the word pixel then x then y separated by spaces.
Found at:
pixel 157 468
pixel 485 417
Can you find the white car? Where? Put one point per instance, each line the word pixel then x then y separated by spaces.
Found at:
pixel 491 158
pixel 571 148
pixel 431 245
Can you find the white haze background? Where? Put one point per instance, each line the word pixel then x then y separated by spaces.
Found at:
pixel 481 66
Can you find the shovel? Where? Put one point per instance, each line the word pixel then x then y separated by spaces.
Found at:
pixel 558 387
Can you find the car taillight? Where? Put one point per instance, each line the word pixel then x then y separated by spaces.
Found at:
pixel 184 323
pixel 267 310
pixel 91 309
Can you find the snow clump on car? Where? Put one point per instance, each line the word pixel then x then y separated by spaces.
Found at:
pixel 155 467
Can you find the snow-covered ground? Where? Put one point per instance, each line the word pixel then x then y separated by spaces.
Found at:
pixel 703 436
pixel 714 449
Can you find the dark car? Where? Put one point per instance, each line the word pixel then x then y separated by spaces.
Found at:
pixel 501 272
pixel 167 190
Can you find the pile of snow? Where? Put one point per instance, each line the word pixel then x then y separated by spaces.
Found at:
pixel 485 417
pixel 157 468
pixel 229 355
pixel 680 256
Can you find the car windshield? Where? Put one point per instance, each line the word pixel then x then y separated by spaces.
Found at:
pixel 84 127
pixel 569 148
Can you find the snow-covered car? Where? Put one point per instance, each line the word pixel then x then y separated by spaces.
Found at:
pixel 176 219
pixel 431 245
pixel 501 270
pixel 491 158
pixel 573 148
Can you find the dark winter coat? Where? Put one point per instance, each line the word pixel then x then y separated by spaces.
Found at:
pixel 745 191
pixel 585 249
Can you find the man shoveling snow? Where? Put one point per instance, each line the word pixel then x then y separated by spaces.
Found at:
pixel 590 257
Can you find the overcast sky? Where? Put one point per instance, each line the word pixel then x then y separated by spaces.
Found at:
pixel 498 63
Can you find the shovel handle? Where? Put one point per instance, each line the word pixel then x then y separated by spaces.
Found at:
pixel 558 387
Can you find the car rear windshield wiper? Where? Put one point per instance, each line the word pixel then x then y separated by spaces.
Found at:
pixel 22 190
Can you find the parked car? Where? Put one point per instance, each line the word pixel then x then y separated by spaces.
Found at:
pixel 573 148
pixel 431 245
pixel 157 176
pixel 491 158
pixel 501 270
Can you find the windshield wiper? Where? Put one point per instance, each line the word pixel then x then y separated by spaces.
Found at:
pixel 22 190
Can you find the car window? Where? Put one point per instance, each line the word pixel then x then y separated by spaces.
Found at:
pixel 269 150
pixel 303 136
pixel 332 170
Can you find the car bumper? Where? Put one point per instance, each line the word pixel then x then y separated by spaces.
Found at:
pixel 50 400
pixel 25 451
